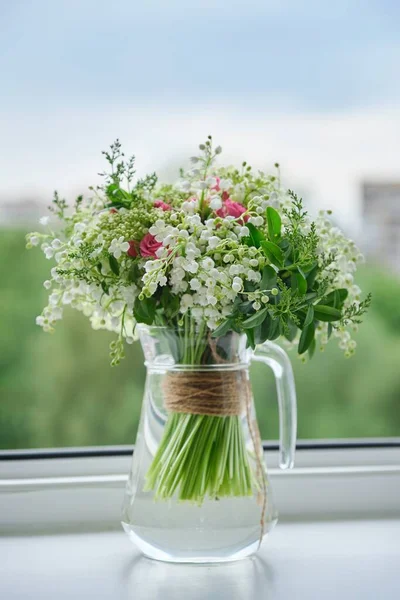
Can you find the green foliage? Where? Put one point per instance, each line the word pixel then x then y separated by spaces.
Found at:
pixel 144 310
pixel 301 248
pixel 299 281
pixel 255 238
pixel 306 338
pixel 326 313
pixel 114 266
pixel 274 222
pixel 353 312
pixel 121 175
pixel 59 205
pixel 273 252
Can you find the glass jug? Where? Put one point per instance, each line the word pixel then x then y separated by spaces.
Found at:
pixel 198 489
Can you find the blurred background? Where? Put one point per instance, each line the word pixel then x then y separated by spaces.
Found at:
pixel 311 85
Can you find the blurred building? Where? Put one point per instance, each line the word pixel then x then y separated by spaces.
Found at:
pixel 21 212
pixel 381 222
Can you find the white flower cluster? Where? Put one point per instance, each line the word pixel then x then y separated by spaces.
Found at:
pixel 347 257
pixel 111 311
pixel 204 263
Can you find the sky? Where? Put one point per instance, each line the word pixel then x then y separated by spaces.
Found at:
pixel 312 85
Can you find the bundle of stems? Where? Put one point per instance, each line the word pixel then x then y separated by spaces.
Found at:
pixel 200 455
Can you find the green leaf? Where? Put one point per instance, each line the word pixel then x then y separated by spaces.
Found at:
pixel 222 329
pixel 114 266
pixel 249 286
pixel 170 303
pixel 274 222
pixel 236 327
pixel 250 338
pixel 311 348
pixel 245 307
pixel 300 270
pixel 286 248
pixel 273 253
pixel 310 316
pixel 268 278
pixel 306 338
pixel 330 329
pixel 299 283
pixel 274 330
pixel 291 330
pixel 144 310
pixel 117 195
pixel 255 319
pixel 256 237
pixel 261 333
pixel 308 267
pixel 134 273
pixel 335 298
pixel 104 287
pixel 311 277
pixel 310 296
pixel 326 313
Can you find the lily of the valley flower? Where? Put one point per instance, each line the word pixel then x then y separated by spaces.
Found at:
pixel 118 247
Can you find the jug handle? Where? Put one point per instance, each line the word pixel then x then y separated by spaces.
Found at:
pixel 277 359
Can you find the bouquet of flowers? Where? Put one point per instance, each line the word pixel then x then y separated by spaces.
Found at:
pixel 222 250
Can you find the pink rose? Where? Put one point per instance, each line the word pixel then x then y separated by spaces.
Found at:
pixel 217 188
pixel 163 205
pixel 149 245
pixel 133 250
pixel 233 209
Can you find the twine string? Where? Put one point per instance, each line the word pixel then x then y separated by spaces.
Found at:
pixel 199 393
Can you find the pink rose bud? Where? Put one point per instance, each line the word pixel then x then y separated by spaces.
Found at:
pixel 133 248
pixel 225 196
pixel 232 209
pixel 163 205
pixel 216 186
pixel 149 245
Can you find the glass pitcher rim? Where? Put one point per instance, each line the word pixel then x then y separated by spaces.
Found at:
pixel 228 365
pixel 144 327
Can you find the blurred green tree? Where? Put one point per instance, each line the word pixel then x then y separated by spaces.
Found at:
pixel 59 390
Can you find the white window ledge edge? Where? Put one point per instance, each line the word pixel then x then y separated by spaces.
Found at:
pixel 86 493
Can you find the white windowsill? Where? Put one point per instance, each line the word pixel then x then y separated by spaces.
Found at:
pixel 337 537
pixel 299 561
